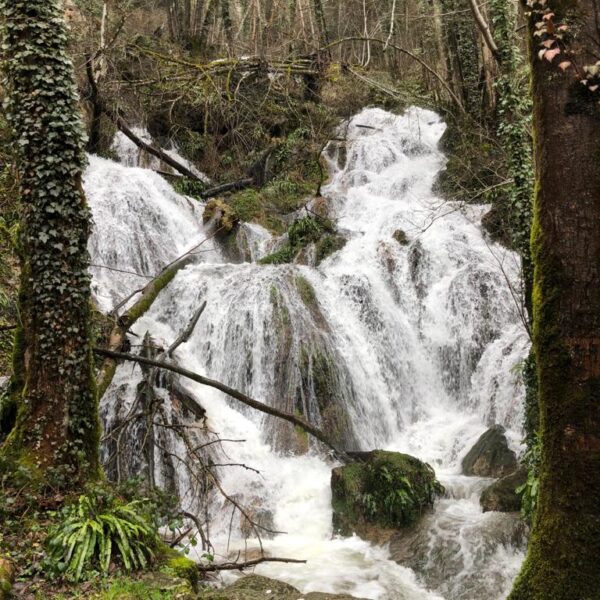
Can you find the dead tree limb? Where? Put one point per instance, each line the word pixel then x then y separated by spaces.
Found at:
pixel 234 186
pixel 124 322
pixel 246 565
pixel 157 152
pixel 233 393
pixel 486 32
pixel 407 53
pixel 187 332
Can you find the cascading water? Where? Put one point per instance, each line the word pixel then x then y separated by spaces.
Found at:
pixel 408 339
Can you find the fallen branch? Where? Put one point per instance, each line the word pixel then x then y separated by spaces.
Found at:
pixel 157 152
pixel 124 322
pixel 407 53
pixel 187 332
pixel 233 393
pixel 246 565
pixel 240 184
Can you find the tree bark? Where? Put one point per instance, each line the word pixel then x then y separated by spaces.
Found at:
pixel 563 562
pixel 56 434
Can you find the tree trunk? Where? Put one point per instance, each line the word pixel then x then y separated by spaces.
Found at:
pixel 56 433
pixel 563 562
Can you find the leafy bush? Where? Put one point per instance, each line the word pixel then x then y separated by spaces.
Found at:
pixel 97 529
pixel 301 233
pixel 529 490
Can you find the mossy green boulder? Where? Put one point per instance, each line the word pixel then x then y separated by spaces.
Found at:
pixel 380 493
pixel 256 587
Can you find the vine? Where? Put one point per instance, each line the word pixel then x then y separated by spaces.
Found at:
pixel 553 35
pixel 514 112
pixel 57 425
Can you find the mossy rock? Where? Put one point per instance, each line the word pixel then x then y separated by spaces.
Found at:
pixel 256 587
pixel 502 495
pixel 222 214
pixel 7 578
pixel 175 564
pixel 329 244
pixel 400 236
pixel 490 456
pixel 380 493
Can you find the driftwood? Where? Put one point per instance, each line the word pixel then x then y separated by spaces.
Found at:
pixel 233 393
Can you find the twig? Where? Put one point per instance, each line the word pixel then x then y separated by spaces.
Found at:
pixel 187 332
pixel 233 393
pixel 246 565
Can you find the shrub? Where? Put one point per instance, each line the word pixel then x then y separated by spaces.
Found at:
pixel 97 529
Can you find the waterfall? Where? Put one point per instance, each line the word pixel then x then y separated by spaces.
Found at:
pixel 408 338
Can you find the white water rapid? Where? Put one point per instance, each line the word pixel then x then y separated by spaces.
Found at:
pixel 417 344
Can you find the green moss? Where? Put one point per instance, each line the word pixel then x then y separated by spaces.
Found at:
pixel 328 245
pixel 400 236
pixel 306 291
pixel 158 586
pixel 301 233
pixel 387 489
pixel 175 563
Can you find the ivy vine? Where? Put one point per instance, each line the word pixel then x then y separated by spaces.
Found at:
pixel 57 420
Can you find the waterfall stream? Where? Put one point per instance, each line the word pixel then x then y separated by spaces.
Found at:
pixel 410 342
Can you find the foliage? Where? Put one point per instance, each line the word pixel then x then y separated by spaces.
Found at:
pixel 514 115
pixel 301 233
pixel 529 490
pixel 389 490
pixel 95 530
pixel 48 140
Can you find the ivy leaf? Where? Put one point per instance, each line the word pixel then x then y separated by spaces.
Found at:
pixel 551 54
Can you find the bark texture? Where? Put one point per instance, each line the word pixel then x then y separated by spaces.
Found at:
pixel 56 432
pixel 563 562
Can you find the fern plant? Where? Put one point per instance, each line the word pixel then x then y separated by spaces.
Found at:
pixel 92 532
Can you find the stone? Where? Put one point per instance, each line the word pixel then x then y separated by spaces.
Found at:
pixel 502 495
pixel 490 456
pixel 380 493
pixel 256 587
pixel 7 578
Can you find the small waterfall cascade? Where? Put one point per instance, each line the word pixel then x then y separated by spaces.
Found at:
pixel 408 339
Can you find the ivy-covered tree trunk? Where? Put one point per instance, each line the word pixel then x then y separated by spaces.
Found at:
pixel 56 431
pixel 563 562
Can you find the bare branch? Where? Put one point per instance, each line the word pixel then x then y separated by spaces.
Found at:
pixel 265 408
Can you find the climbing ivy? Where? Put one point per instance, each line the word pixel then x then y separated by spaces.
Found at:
pixel 56 428
pixel 514 113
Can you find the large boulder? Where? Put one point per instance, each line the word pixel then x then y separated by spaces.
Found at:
pixel 380 493
pixel 490 456
pixel 502 495
pixel 256 587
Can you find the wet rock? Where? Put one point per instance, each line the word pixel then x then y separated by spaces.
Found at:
pixel 443 544
pixel 256 587
pixel 380 493
pixel 261 520
pixel 502 496
pixel 490 456
pixel 400 236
